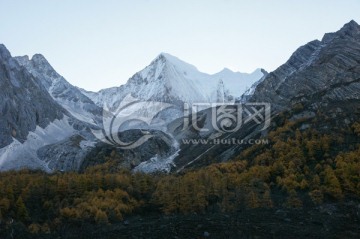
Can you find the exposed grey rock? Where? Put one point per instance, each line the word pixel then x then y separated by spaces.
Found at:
pixel 321 75
pixel 66 155
pixel 326 70
pixel 303 115
pixel 67 95
pixel 34 116
pixel 24 102
pixel 160 146
pixel 249 92
pixel 32 94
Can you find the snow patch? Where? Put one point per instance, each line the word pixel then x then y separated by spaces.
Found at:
pixel 87 144
pixel 24 155
pixel 77 109
pixel 158 164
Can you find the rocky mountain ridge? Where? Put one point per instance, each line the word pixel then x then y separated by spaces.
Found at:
pixel 47 122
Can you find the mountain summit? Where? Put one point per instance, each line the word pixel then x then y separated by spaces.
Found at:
pixel 169 79
pixel 65 94
pixel 46 121
pixel 317 89
pixel 328 69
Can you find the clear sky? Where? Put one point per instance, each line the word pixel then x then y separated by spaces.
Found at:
pixel 99 44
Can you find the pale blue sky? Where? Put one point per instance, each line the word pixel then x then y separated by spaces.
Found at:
pixel 99 44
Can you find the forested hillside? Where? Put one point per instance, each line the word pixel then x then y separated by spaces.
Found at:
pixel 298 169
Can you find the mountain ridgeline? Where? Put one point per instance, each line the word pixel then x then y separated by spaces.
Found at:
pixel 39 103
pixel 302 181
pixel 321 77
pixel 320 71
pixel 47 123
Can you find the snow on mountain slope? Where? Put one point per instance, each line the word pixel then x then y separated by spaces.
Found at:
pixel 250 91
pixel 24 155
pixel 25 104
pixel 67 95
pixel 46 121
pixel 34 116
pixel 236 82
pixel 169 79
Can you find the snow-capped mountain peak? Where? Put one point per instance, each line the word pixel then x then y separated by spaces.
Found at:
pixel 47 120
pixel 169 79
pixel 178 63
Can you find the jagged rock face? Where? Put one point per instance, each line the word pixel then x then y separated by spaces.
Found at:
pixel 32 94
pixel 67 95
pixel 326 70
pixel 66 155
pixel 50 119
pixel 36 127
pixel 152 156
pixel 250 92
pixel 323 75
pixel 24 103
